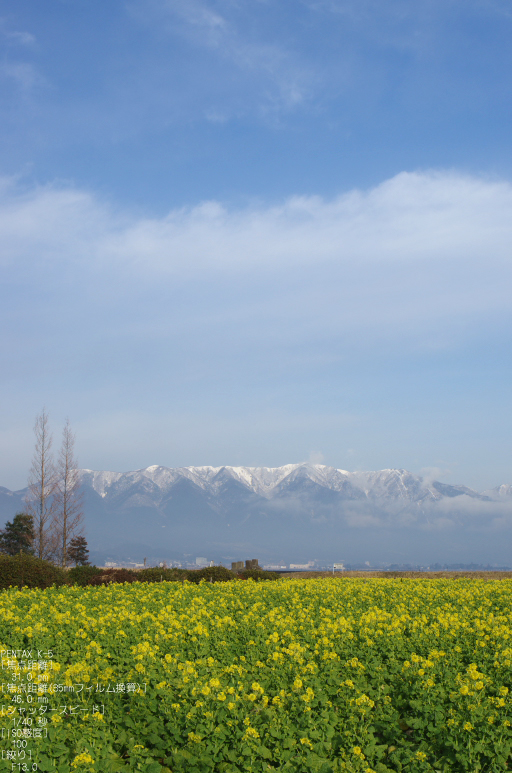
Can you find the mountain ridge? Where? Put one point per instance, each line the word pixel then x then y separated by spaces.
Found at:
pixel 296 511
pixel 387 484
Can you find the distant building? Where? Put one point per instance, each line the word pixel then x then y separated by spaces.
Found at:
pixel 251 563
pixel 201 561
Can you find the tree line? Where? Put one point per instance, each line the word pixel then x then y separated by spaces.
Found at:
pixel 52 525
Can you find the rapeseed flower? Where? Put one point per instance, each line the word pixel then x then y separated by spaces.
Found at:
pixel 82 759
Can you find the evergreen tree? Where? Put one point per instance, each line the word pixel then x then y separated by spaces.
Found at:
pixel 18 535
pixel 78 552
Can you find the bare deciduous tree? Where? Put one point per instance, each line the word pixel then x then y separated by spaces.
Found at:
pixel 40 501
pixel 68 496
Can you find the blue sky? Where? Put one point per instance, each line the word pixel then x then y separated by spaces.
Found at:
pixel 259 232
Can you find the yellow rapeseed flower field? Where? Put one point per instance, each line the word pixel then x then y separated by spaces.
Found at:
pixel 319 675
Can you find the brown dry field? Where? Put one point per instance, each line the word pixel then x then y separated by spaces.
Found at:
pixel 405 575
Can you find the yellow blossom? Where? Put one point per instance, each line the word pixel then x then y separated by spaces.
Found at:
pixel 82 759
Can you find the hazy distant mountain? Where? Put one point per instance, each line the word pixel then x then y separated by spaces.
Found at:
pixel 295 512
pixel 500 492
pixel 268 482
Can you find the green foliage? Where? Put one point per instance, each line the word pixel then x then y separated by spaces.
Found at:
pixel 257 574
pixel 26 571
pixel 81 575
pixel 77 551
pixel 18 535
pixel 157 574
pixel 93 575
pixel 211 574
pixel 108 576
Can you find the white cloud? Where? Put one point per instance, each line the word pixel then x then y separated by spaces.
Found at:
pixel 360 520
pixel 23 38
pixel 46 226
pixel 18 37
pixel 23 74
pixel 431 474
pixel 272 75
pixel 412 218
pixel 438 524
pixel 208 25
pixel 423 258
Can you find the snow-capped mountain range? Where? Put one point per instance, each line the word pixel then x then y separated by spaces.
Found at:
pixel 395 485
pixel 297 511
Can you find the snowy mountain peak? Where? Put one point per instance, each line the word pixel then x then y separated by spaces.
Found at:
pixel 305 508
pixel 391 484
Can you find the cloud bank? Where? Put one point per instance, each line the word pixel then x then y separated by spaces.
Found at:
pixel 422 255
pixel 227 328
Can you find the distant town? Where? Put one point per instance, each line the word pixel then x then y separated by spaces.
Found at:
pixel 200 562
